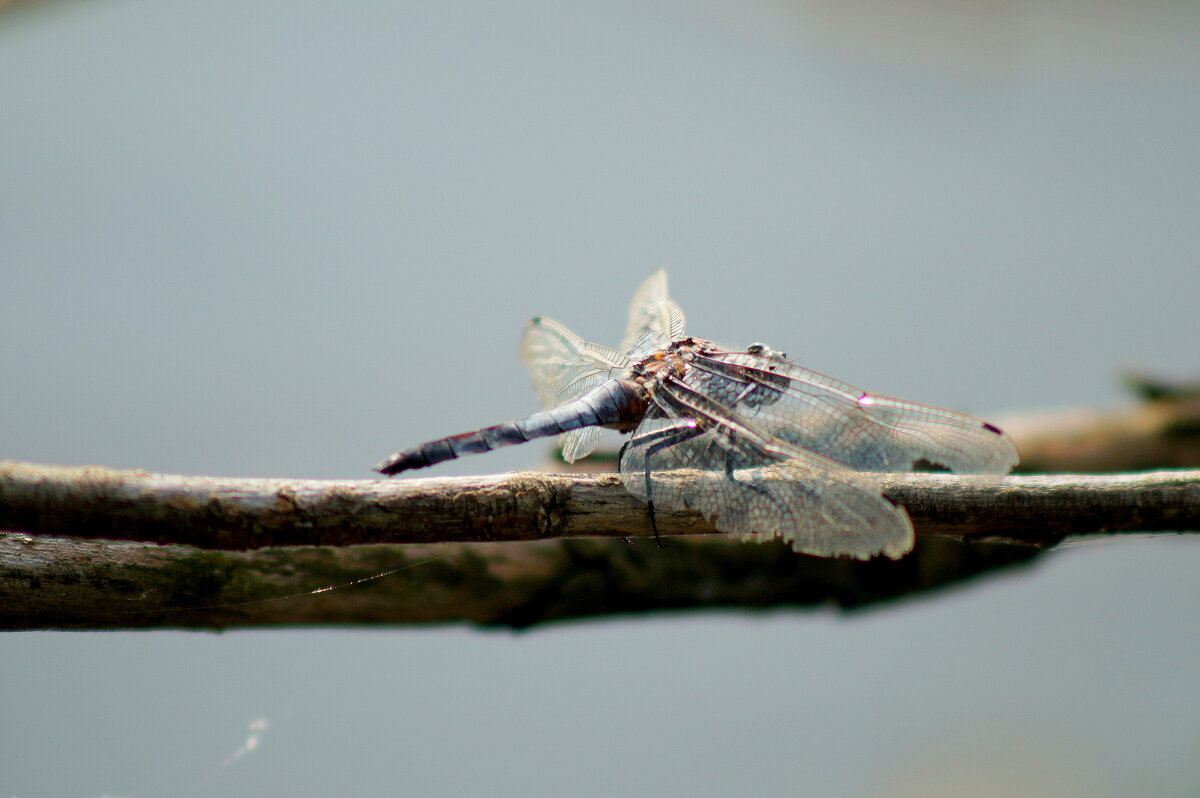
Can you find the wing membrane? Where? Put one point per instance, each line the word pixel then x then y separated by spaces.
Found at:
pixel 866 432
pixel 563 367
pixel 654 319
pixel 690 452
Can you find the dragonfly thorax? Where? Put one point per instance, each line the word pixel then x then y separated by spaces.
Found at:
pixel 671 361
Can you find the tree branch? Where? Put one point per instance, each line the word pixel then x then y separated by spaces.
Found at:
pixel 47 581
pixel 1162 431
pixel 237 514
pixel 55 583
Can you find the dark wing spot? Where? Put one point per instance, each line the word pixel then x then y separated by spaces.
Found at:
pixel 990 428
pixel 890 500
pixel 536 320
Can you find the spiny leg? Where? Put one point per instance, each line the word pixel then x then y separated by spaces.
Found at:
pixel 729 466
pixel 662 439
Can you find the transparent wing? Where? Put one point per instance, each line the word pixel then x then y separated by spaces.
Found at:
pixel 689 452
pixel 563 367
pixel 866 432
pixel 654 319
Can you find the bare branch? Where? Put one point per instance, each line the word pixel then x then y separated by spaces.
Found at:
pixel 54 583
pixel 238 514
pixel 1159 432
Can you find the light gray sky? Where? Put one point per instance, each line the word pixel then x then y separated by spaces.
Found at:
pixel 285 239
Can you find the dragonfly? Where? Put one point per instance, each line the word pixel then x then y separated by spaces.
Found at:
pixel 762 447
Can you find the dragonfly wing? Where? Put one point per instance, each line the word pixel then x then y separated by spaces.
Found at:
pixel 756 488
pixel 866 432
pixel 654 319
pixel 578 443
pixel 563 367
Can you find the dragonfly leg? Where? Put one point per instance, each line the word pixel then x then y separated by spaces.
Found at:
pixel 672 436
pixel 729 473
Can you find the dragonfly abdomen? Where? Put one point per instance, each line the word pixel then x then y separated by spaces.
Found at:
pixel 614 403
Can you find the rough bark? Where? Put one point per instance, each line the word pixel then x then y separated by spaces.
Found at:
pixel 240 514
pixel 51 578
pixel 54 583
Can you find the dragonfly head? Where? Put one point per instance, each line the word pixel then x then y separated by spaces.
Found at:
pixel 765 351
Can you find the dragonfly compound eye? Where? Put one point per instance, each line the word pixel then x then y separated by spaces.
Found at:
pixel 765 351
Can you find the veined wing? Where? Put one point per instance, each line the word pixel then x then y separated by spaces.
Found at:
pixel 563 367
pixel 654 319
pixel 691 452
pixel 867 432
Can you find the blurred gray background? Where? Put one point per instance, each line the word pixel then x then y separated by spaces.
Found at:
pixel 286 239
